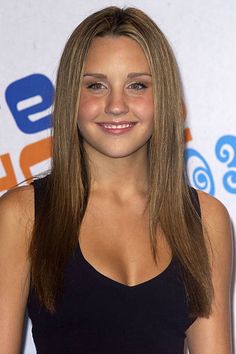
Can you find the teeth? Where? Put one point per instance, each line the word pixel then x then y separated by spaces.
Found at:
pixel 120 126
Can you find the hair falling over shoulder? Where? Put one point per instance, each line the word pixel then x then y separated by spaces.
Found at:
pixel 171 206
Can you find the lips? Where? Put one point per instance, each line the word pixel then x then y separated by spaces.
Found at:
pixel 116 127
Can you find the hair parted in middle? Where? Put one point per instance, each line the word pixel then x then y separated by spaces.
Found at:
pixel 170 202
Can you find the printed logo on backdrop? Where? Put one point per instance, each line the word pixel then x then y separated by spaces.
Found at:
pixel 200 172
pixel 29 100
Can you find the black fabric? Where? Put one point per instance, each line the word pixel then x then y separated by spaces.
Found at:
pixel 98 315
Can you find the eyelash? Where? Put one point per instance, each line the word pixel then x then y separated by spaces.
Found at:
pixel 98 86
pixel 95 86
pixel 141 85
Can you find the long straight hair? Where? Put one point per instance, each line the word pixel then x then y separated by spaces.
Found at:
pixel 170 201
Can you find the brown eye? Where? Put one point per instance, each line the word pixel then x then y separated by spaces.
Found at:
pixel 96 86
pixel 137 86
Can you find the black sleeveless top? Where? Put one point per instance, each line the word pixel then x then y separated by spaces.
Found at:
pixel 98 315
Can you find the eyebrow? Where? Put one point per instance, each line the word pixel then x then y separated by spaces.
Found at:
pixel 130 75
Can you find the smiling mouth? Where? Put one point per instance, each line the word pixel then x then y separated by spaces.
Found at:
pixel 117 127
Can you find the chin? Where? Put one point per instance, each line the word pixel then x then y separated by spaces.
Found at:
pixel 123 153
pixel 116 151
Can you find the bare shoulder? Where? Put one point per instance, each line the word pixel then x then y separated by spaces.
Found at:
pixel 209 203
pixel 214 213
pixel 213 334
pixel 217 224
pixel 17 211
pixel 18 196
pixel 16 221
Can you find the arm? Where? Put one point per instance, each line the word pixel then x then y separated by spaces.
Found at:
pixel 16 208
pixel 213 335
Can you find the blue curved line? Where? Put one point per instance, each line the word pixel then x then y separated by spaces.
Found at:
pixel 189 152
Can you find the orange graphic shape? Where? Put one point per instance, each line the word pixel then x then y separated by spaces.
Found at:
pixel 187 135
pixel 34 153
pixel 9 180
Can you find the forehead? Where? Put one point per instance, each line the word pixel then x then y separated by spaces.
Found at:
pixel 116 51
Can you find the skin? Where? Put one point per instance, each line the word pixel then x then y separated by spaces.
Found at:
pixel 117 195
pixel 108 95
pixel 16 221
pixel 123 94
pixel 213 335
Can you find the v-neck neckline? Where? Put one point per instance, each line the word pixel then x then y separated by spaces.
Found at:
pixel 107 279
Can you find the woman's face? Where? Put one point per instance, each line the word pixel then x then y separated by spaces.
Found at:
pixel 115 114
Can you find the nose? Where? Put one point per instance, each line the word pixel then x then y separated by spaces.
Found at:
pixel 116 103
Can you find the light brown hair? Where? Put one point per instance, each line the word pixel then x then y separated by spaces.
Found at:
pixel 170 202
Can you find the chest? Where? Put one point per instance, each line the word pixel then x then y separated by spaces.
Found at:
pixel 97 315
pixel 114 239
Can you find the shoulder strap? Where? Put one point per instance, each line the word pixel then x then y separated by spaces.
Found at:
pixel 195 200
pixel 39 185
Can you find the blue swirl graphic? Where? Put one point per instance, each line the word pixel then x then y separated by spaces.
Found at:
pixel 226 153
pixel 201 177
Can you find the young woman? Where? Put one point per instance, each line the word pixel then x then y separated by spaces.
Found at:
pixel 113 252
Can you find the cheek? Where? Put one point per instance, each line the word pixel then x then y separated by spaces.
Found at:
pixel 88 108
pixel 144 109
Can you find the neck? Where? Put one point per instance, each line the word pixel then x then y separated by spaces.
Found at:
pixel 122 177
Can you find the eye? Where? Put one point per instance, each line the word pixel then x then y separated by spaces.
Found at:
pixel 96 86
pixel 137 86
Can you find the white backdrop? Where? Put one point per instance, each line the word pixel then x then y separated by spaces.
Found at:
pixel 202 34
